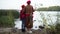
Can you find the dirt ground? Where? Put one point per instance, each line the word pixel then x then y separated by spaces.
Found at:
pixel 18 31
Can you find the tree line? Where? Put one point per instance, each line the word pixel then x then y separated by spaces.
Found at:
pixel 51 8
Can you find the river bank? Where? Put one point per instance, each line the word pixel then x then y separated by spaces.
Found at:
pixel 18 31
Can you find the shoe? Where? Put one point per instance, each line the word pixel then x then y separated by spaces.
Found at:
pixel 23 30
pixel 30 32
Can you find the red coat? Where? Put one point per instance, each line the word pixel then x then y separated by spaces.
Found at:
pixel 22 15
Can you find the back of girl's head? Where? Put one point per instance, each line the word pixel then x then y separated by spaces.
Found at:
pixel 23 6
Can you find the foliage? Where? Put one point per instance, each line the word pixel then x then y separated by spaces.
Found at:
pixel 53 30
pixel 58 28
pixel 51 8
pixel 42 9
pixel 15 13
pixel 7 17
pixel 5 21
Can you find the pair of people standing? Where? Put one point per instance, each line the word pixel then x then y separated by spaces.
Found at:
pixel 27 16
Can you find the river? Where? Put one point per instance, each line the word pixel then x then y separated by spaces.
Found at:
pixel 50 16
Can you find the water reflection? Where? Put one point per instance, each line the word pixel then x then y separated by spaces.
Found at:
pixel 50 17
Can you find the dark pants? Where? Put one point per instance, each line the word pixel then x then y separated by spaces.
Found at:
pixel 23 25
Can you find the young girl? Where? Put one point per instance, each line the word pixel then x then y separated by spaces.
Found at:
pixel 22 18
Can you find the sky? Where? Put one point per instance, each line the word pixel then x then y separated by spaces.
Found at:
pixel 16 4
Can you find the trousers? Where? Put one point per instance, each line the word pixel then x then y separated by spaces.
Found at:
pixel 23 24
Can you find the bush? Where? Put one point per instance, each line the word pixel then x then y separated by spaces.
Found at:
pixel 7 17
pixel 15 14
pixel 58 28
pixel 5 21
